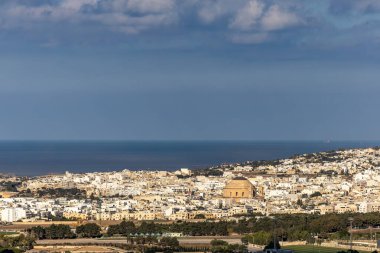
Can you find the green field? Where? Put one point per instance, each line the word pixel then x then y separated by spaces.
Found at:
pixel 8 233
pixel 314 249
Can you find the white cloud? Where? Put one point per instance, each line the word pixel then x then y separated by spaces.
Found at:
pixel 244 21
pixel 211 10
pixel 130 24
pixel 247 17
pixel 276 18
pixel 117 15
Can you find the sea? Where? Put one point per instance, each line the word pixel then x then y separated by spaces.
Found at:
pixel 33 158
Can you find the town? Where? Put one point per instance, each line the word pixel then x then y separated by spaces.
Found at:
pixel 345 181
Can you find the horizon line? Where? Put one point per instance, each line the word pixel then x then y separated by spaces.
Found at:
pixel 189 140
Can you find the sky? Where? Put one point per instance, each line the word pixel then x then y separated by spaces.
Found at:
pixel 189 70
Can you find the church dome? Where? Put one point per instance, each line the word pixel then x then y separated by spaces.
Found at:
pixel 239 187
pixel 239 183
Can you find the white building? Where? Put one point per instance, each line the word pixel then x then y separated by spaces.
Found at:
pixel 12 214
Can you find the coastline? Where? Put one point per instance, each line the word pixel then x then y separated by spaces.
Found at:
pixel 36 158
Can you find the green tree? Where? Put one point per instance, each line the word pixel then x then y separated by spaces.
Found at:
pixel 315 194
pixel 21 242
pixel 217 242
pixel 200 216
pixel 59 232
pixel 262 238
pixel 170 242
pixel 37 232
pixel 273 244
pixel 89 230
pixel 124 228
pixel 245 239
pixel 220 246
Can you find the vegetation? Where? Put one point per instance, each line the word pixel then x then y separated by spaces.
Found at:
pixel 52 232
pixel 208 172
pixel 170 242
pixel 16 243
pixel 300 226
pixel 53 193
pixel 260 229
pixel 59 217
pixel 37 232
pixel 124 228
pixel 9 186
pixel 312 249
pixel 315 194
pixel 257 229
pixel 9 250
pixel 200 216
pixel 272 245
pixel 71 193
pixel 187 228
pixel 220 246
pixel 89 230
pixel 260 238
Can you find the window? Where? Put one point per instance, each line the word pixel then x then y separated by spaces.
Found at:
pixel 237 194
pixel 242 194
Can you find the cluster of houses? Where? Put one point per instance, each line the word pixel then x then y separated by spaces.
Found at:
pixel 340 181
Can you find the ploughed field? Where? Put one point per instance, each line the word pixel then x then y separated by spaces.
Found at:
pixel 315 249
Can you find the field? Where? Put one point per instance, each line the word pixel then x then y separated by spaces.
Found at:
pixel 8 233
pixel 315 249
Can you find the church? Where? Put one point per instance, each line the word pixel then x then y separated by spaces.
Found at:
pixel 239 188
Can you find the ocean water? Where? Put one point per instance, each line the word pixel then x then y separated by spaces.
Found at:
pixel 30 158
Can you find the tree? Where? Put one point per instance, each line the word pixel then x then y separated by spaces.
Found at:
pixel 124 228
pixel 315 194
pixel 89 230
pixel 272 245
pixel 200 216
pixel 261 238
pixel 150 240
pixel 348 251
pixel 59 232
pixel 37 232
pixel 220 246
pixel 148 227
pixel 25 242
pixel 245 239
pixel 171 242
pixel 21 242
pixel 52 232
pixel 217 242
